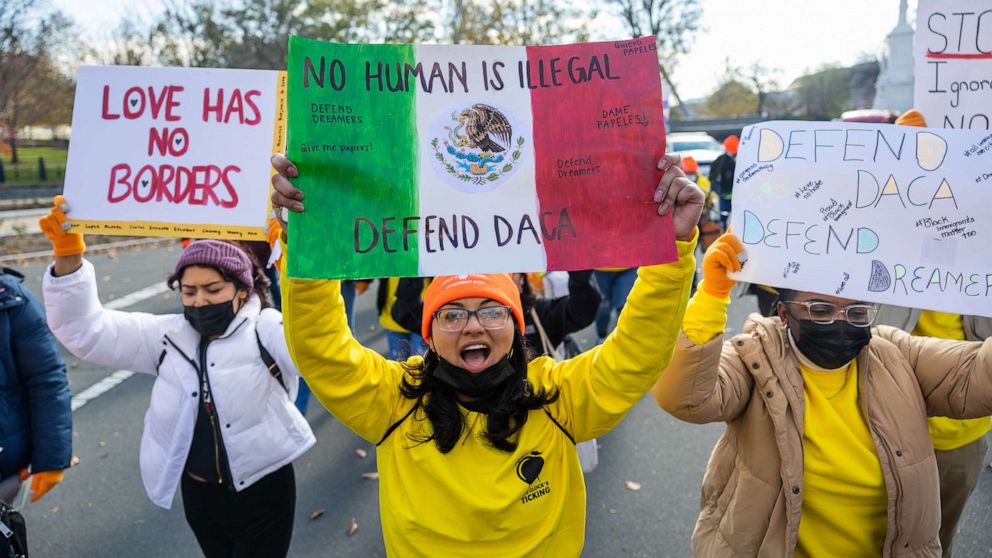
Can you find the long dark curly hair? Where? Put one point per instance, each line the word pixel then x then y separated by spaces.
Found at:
pixel 506 409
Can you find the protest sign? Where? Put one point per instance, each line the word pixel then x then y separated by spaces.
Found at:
pixel 180 152
pixel 425 160
pixel 890 214
pixel 954 63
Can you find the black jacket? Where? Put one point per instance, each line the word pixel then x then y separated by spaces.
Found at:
pixel 722 175
pixel 559 316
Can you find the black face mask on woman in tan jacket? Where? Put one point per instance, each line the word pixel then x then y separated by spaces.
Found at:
pixel 752 492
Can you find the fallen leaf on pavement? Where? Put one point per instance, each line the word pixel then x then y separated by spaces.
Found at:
pixel 631 485
pixel 353 528
pixel 54 510
pixel 138 522
pixel 316 514
pixel 374 475
pixel 361 453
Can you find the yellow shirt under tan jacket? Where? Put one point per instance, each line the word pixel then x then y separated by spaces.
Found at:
pixel 475 500
pixel 753 491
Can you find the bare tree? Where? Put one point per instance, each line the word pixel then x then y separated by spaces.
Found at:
pixel 515 22
pixel 672 22
pixel 255 33
pixel 763 81
pixel 31 33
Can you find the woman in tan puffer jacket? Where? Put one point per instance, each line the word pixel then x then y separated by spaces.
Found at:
pixel 826 451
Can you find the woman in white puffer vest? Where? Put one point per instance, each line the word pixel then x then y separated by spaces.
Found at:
pixel 221 422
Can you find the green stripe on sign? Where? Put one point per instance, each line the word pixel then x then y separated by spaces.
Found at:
pixel 357 156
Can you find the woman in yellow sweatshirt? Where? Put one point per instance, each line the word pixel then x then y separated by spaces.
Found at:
pixel 826 451
pixel 476 447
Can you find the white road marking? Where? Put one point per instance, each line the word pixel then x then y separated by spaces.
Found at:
pixel 100 388
pixel 137 296
pixel 113 380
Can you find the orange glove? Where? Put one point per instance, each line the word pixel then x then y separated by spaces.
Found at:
pixel 361 286
pixel 55 226
pixel 912 117
pixel 43 481
pixel 725 254
pixel 273 233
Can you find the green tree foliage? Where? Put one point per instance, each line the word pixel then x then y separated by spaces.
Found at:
pixel 731 99
pixel 32 89
pixel 824 94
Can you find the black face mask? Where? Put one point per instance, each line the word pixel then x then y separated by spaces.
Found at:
pixel 831 346
pixel 210 320
pixel 479 384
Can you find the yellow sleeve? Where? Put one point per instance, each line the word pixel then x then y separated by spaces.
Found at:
pixel 356 384
pixel 598 387
pixel 705 317
pixel 704 184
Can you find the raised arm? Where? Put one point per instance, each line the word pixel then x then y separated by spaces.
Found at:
pixel 706 381
pixel 572 312
pixel 357 385
pixel 600 386
pixel 128 340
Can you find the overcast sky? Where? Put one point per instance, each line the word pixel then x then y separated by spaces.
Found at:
pixel 791 35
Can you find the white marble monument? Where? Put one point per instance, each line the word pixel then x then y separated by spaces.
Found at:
pixel 894 88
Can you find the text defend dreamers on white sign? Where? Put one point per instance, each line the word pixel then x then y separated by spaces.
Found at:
pixel 883 213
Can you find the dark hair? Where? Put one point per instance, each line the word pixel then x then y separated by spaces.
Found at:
pixel 506 409
pixel 262 283
pixel 527 296
pixel 785 295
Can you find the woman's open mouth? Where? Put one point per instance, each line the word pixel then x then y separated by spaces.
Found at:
pixel 475 357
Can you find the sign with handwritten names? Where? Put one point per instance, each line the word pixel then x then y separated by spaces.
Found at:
pixel 877 212
pixel 954 63
pixel 173 152
pixel 436 159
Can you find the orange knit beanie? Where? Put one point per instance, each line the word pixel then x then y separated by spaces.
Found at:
pixel 447 288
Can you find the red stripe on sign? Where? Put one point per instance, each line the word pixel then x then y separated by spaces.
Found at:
pixel 959 55
pixel 599 132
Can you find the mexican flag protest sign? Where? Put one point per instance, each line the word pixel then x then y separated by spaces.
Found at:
pixel 421 160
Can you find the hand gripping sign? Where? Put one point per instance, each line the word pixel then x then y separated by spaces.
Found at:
pixel 430 159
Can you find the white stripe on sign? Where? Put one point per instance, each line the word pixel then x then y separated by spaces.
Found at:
pixel 112 381
pixel 136 296
pixel 99 388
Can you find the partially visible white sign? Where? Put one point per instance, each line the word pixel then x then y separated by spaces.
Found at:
pixel 172 151
pixel 954 63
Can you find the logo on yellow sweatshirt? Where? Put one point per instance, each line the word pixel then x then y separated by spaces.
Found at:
pixel 528 470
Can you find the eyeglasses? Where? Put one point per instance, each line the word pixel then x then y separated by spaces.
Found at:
pixel 860 315
pixel 490 317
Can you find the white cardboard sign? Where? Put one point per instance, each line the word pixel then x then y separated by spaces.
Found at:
pixel 954 63
pixel 172 151
pixel 876 212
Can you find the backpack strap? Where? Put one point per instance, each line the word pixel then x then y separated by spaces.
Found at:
pixel 558 424
pixel 270 362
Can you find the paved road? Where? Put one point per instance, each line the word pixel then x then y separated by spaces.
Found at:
pixel 101 508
